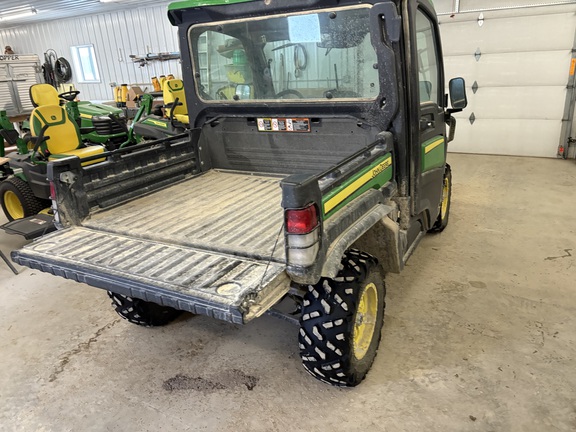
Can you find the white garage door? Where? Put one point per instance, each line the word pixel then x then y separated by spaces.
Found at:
pixel 521 69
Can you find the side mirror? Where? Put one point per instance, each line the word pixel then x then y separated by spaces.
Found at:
pixel 458 98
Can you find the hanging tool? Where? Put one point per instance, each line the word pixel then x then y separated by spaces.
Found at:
pixel 282 83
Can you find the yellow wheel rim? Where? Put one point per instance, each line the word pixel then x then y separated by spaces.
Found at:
pixel 365 321
pixel 445 197
pixel 13 205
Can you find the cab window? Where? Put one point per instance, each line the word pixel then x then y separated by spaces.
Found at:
pixel 428 65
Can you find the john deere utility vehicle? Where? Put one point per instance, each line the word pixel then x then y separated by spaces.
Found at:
pixel 314 164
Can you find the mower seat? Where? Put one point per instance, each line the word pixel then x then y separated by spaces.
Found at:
pixel 174 89
pixel 63 140
pixel 43 94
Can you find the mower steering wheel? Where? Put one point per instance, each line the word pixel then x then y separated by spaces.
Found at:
pixel 283 93
pixel 69 95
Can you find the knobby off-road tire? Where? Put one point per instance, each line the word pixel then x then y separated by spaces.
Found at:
pixel 142 313
pixel 444 214
pixel 342 320
pixel 18 201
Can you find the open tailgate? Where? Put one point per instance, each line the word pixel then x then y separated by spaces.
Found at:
pixel 222 286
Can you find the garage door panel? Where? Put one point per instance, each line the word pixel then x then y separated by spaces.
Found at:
pixel 495 4
pixel 512 69
pixel 443 6
pixel 529 33
pixel 507 137
pixel 545 103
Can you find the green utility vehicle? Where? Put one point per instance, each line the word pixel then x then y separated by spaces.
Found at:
pixel 314 164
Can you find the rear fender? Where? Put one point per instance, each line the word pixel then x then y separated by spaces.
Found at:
pixel 358 218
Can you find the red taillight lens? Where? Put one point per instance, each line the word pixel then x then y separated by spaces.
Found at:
pixel 52 191
pixel 301 221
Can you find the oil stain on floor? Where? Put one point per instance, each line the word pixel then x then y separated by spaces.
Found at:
pixel 226 380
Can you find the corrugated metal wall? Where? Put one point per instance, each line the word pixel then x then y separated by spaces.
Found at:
pixel 114 35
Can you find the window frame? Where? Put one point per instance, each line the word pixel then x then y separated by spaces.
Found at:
pixel 436 93
pixel 80 66
pixel 194 36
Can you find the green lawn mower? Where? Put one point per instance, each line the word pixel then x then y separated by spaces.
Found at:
pixel 24 189
pixel 101 124
pixel 150 124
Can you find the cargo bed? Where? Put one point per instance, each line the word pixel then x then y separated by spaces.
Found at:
pixel 234 213
pixel 212 244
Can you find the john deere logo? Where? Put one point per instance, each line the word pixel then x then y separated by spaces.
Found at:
pixel 156 123
pixel 53 117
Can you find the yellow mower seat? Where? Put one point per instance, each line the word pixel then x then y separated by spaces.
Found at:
pixel 174 89
pixel 43 94
pixel 64 135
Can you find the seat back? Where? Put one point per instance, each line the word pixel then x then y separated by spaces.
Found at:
pixel 173 89
pixel 62 131
pixel 43 94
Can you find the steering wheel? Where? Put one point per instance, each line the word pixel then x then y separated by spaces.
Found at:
pixel 203 94
pixel 293 92
pixel 69 95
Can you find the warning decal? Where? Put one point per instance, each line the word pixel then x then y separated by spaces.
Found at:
pixel 283 124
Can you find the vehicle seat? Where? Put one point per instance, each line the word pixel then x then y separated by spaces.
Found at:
pixel 174 89
pixel 63 141
pixel 43 94
pixel 227 92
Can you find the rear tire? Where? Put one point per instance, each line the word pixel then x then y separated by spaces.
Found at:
pixel 141 312
pixel 18 201
pixel 342 320
pixel 444 211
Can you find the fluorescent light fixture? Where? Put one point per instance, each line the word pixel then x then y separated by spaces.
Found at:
pixel 18 13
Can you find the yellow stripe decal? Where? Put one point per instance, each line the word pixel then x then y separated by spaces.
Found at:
pixel 357 184
pixel 432 146
pixel 87 116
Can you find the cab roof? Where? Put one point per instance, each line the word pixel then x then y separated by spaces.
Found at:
pixel 176 9
pixel 186 4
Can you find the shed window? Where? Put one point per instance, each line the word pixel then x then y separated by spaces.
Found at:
pixel 85 64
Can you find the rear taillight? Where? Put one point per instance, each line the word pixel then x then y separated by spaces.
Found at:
pixel 54 208
pixel 52 191
pixel 302 236
pixel 302 221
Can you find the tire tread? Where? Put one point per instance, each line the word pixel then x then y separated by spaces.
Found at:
pixel 327 320
pixel 30 203
pixel 141 312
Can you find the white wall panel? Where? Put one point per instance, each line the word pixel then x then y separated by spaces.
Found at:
pixel 114 35
pixel 511 137
pixel 531 33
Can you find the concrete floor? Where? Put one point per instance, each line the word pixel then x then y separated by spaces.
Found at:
pixel 480 335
